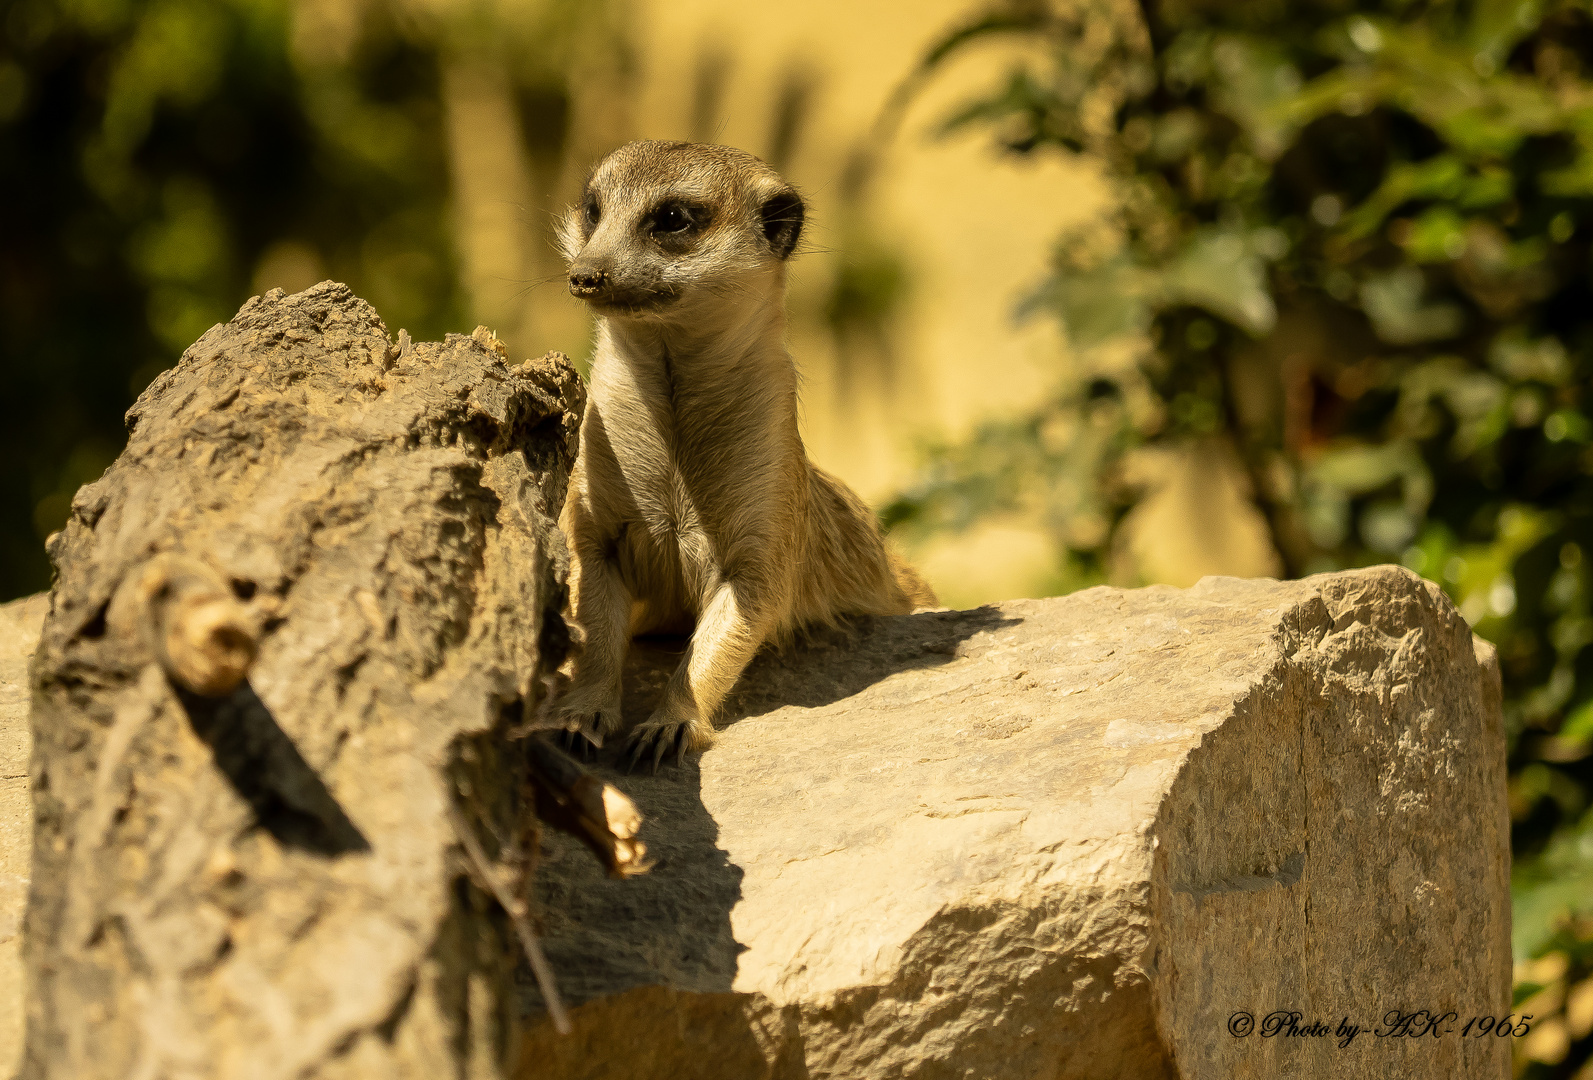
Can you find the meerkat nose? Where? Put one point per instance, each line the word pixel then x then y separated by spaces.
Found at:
pixel 587 280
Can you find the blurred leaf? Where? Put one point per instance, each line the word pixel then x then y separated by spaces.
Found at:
pixel 1253 79
pixel 1579 723
pixel 1551 889
pixel 1219 270
pixel 1394 301
pixel 1104 303
pixel 1013 19
pixel 1524 359
pixel 1574 181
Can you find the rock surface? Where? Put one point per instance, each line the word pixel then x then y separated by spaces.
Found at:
pixel 1064 838
pixel 269 884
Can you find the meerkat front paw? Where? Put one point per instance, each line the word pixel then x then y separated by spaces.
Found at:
pixel 667 728
pixel 587 716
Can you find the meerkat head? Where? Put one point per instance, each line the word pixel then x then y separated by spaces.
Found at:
pixel 665 229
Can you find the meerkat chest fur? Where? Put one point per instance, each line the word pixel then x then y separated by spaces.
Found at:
pixel 704 466
pixel 693 504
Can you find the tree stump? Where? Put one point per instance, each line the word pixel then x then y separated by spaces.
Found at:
pixel 265 877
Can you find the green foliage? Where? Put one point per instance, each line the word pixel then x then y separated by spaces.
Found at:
pixel 1353 241
pixel 158 158
pixel 151 155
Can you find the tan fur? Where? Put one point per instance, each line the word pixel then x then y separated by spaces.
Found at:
pixel 694 505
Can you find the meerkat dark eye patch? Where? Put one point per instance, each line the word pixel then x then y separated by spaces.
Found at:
pixel 590 212
pixel 782 221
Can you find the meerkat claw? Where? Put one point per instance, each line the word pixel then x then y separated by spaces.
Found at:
pixel 656 739
pixel 634 756
pixel 582 731
pixel 579 742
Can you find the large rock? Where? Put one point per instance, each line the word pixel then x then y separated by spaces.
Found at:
pixel 1066 838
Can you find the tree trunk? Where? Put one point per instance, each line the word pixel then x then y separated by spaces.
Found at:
pixel 292 628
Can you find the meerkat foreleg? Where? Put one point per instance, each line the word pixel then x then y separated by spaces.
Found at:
pixel 728 635
pixel 601 607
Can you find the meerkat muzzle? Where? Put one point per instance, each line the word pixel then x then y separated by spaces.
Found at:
pixel 599 288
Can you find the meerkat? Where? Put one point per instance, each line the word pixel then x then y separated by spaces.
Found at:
pixel 693 506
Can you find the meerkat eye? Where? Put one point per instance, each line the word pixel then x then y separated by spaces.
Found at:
pixel 590 211
pixel 671 218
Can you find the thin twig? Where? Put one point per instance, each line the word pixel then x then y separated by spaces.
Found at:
pixel 522 925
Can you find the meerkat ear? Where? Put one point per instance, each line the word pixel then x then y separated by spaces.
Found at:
pixel 782 221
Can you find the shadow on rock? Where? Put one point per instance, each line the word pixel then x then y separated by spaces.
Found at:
pixel 264 767
pixel 670 928
pixel 831 664
pixel 670 925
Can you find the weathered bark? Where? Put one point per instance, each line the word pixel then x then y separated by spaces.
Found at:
pixel 266 879
pixel 20 621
